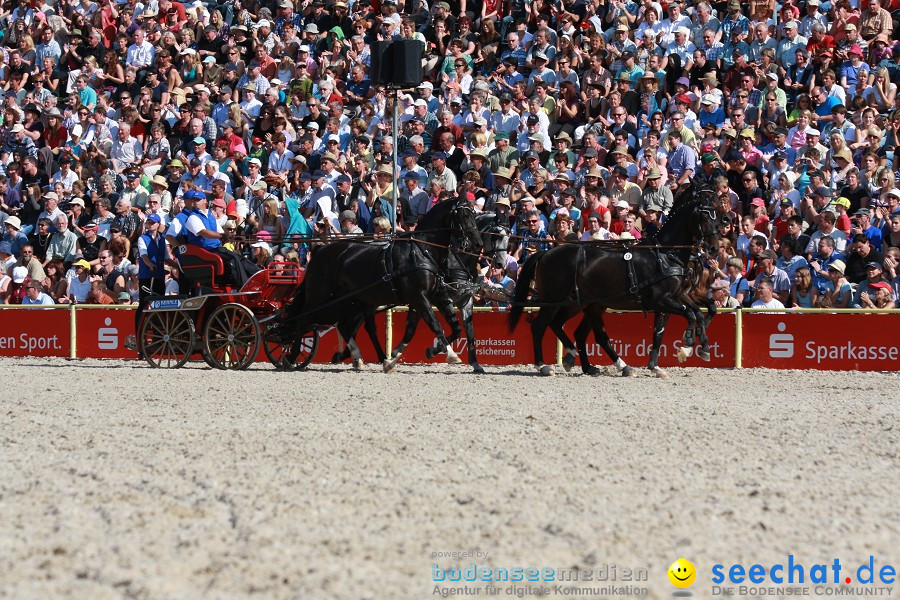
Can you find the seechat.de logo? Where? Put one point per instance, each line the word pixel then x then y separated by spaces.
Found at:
pixel 781 345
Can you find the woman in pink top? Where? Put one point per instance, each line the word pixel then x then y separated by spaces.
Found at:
pixel 797 135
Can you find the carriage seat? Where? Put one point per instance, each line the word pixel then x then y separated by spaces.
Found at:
pixel 201 267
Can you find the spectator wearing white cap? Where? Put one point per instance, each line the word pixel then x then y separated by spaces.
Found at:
pixel 681 46
pixel 426 93
pixel 812 18
pixel 18 142
pixel 786 51
pixel 13 234
pixel 676 19
pixel 51 209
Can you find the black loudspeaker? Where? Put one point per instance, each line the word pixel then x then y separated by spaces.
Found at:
pixel 380 63
pixel 406 63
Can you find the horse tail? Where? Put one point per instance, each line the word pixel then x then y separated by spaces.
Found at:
pixel 523 286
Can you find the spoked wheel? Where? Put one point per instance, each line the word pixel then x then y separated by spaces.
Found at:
pixel 167 339
pixel 278 352
pixel 231 337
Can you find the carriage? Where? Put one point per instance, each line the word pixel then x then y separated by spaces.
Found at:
pixel 224 326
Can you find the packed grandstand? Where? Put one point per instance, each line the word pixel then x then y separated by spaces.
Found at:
pixel 258 130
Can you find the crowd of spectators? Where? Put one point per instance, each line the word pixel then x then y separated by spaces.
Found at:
pixel 578 118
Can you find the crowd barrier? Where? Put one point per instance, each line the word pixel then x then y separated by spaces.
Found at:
pixel 830 340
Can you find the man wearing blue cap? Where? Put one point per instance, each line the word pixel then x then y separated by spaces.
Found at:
pixel 152 255
pixel 440 172
pixel 176 232
pixel 411 165
pixel 415 198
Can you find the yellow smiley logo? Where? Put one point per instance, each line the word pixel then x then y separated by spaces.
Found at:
pixel 682 573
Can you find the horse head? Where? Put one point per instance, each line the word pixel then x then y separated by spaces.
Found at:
pixel 693 214
pixel 495 234
pixel 464 228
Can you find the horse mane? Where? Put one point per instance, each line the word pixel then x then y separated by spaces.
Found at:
pixel 687 199
pixel 436 217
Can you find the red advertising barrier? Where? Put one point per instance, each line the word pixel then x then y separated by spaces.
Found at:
pixel 101 333
pixel 329 342
pixel 631 335
pixel 826 342
pixel 821 341
pixel 34 332
pixel 496 345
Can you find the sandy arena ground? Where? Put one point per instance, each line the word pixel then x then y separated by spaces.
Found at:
pixel 118 481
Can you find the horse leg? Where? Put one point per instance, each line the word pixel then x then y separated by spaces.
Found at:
pixel 466 313
pixel 446 309
pixel 538 328
pixel 423 306
pixel 581 334
pixel 702 323
pixel 348 328
pixel 659 327
pixel 412 321
pixel 602 338
pixel 372 330
pixel 561 317
pixel 687 350
pixel 339 357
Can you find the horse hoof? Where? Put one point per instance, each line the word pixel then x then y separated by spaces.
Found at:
pixel 478 369
pixel 592 371
pixel 337 358
pixel 703 355
pixel 453 360
pixel 628 372
pixel 661 374
pixel 568 362
pixel 685 353
pixel 546 371
pixel 389 366
pixel 430 353
pixel 358 364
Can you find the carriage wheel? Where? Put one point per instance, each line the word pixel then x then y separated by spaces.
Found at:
pixel 277 352
pixel 167 339
pixel 231 337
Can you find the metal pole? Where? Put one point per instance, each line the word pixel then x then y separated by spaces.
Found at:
pixel 394 161
pixel 73 339
pixel 389 332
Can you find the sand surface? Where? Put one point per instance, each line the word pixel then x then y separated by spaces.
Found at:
pixel 119 481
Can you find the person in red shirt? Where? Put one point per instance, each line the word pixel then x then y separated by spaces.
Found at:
pixel 165 7
pixel 266 63
pixel 593 205
pixel 55 135
pixel 760 218
pixel 780 224
pixel 842 205
pixel 819 40
pixel 622 211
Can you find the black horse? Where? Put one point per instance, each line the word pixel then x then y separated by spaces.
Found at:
pixel 459 288
pixel 651 276
pixel 347 280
